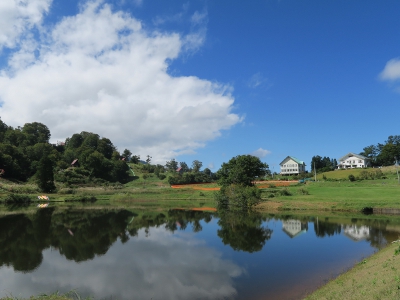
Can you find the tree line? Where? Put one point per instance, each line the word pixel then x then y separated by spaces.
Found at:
pixel 25 153
pixel 384 154
pixel 84 158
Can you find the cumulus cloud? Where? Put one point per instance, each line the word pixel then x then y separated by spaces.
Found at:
pixel 16 17
pixel 100 71
pixel 391 71
pixel 260 153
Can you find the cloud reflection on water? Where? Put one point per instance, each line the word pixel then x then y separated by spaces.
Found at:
pixel 160 266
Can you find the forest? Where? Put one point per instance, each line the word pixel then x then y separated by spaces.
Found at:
pixel 26 154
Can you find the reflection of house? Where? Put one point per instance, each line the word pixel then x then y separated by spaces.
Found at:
pixel 292 166
pixel 294 228
pixel 356 233
pixel 351 161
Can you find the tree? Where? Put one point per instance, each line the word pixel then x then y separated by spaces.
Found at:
pixel 171 165
pixel 135 159
pixel 208 172
pixel 184 167
pixel 106 147
pixel 127 155
pixel 371 152
pixel 323 164
pixel 74 142
pixel 3 129
pixel 389 151
pixel 45 175
pixel 196 165
pixel 36 133
pixel 148 159
pixel 241 170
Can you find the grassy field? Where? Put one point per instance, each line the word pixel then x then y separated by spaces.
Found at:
pixel 336 193
pixel 344 174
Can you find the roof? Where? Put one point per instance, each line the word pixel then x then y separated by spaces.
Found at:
pixel 352 154
pixel 300 162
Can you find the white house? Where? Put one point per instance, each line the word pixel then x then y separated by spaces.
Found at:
pixel 351 161
pixel 292 166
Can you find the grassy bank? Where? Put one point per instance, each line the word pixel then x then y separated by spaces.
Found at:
pixel 335 193
pixel 336 196
pixel 377 277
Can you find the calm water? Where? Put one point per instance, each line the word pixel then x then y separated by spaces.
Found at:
pixel 124 254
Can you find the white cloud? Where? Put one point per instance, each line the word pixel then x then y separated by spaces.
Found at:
pixel 260 153
pixel 199 18
pixel 258 80
pixel 18 16
pixel 391 71
pixel 99 71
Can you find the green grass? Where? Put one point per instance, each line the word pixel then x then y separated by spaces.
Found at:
pixel 334 195
pixel 389 172
pixel 338 195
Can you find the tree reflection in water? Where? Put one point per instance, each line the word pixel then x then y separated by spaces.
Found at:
pixel 243 231
pixel 80 235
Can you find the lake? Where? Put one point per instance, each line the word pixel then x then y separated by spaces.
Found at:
pixel 176 254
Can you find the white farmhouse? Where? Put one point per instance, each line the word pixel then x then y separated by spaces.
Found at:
pixel 351 161
pixel 292 166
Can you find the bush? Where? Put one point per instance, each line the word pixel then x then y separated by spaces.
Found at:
pixel 352 177
pixel 14 198
pixel 67 191
pixel 303 191
pixel 161 176
pixel 82 199
pixel 236 197
pixel 285 192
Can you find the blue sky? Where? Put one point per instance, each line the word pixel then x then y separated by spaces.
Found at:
pixel 205 80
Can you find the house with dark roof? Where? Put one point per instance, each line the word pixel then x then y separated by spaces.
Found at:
pixel 292 166
pixel 352 161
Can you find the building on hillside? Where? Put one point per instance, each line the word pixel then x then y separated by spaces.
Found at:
pixel 75 163
pixel 352 161
pixel 292 166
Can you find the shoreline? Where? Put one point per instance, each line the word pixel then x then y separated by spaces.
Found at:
pixel 376 277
